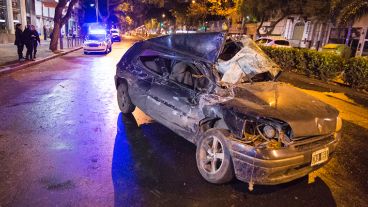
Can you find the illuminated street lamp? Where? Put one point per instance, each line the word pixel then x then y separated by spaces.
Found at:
pixel 163 15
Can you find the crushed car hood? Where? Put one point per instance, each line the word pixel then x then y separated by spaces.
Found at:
pixel 306 115
pixel 202 46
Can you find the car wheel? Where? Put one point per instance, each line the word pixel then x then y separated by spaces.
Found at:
pixel 125 104
pixel 213 157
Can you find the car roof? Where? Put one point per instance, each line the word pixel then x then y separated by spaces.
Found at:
pixel 202 46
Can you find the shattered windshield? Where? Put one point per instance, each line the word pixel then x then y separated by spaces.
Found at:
pixel 243 61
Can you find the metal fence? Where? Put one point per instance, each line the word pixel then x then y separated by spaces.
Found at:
pixel 70 42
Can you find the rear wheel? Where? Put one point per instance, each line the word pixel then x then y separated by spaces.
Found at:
pixel 125 104
pixel 213 157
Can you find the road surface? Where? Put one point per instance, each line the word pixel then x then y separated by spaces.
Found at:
pixel 63 142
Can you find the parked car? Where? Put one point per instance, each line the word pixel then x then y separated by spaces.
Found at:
pixel 265 41
pixel 115 35
pixel 97 41
pixel 223 96
pixel 339 49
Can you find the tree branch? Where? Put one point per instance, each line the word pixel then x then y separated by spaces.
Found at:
pixel 65 18
pixel 273 25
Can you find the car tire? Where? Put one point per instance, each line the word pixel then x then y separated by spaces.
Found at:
pixel 125 104
pixel 214 160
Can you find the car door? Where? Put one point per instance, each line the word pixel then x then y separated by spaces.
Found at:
pixel 142 80
pixel 174 105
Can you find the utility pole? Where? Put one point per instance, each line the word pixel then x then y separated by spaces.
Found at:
pixel 96 2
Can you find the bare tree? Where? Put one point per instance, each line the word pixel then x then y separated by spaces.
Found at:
pixel 60 20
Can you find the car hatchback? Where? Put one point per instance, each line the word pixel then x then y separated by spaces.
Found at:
pixel 223 96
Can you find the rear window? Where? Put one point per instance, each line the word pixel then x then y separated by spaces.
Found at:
pixel 282 42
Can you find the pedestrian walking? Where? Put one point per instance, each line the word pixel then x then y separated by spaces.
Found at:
pixel 19 41
pixel 27 33
pixel 35 40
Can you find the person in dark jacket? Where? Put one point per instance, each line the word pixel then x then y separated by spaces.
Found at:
pixel 27 33
pixel 35 40
pixel 19 41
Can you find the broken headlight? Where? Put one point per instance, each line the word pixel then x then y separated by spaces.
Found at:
pixel 269 131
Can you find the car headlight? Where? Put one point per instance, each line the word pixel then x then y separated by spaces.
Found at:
pixel 338 124
pixel 269 131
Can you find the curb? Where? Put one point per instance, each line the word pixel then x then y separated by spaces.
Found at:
pixel 10 69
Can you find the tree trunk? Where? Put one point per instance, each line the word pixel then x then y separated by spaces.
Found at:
pixel 60 20
pixel 260 26
pixel 55 36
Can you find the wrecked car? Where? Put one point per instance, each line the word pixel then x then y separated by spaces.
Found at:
pixel 223 95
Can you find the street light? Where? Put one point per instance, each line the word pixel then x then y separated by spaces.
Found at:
pixel 163 15
pixel 193 1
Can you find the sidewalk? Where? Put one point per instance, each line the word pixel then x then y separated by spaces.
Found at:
pixel 330 89
pixel 9 57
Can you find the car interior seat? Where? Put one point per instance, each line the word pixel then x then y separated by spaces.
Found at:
pixel 181 73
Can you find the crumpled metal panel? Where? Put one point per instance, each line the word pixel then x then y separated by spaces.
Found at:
pixel 306 115
pixel 203 46
pixel 249 61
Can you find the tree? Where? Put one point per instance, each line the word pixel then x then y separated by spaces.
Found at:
pixel 277 10
pixel 198 10
pixel 350 11
pixel 222 8
pixel 60 20
pixel 124 12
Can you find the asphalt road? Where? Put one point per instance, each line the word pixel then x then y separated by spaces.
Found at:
pixel 63 142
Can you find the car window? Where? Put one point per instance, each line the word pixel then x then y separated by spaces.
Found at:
pixel 229 51
pixel 282 42
pixel 187 74
pixel 263 41
pixel 98 37
pixel 156 64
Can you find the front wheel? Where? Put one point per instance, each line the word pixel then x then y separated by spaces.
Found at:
pixel 213 157
pixel 125 104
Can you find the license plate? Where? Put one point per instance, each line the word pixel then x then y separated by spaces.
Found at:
pixel 319 156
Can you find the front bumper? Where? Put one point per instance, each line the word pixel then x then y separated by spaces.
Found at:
pixel 94 49
pixel 271 167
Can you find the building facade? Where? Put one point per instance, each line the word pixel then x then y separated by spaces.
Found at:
pixel 314 34
pixel 39 13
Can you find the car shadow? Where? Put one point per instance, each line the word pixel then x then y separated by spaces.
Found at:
pixel 152 166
